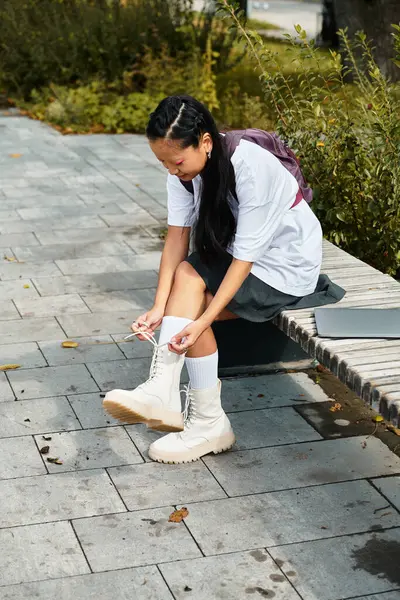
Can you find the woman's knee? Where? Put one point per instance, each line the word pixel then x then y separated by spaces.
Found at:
pixel 185 274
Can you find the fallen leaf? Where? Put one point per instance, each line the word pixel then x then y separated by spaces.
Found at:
pixel 364 444
pixel 337 406
pixel 324 527
pixel 46 439
pixel 394 429
pixel 44 450
pixel 15 155
pixel 26 286
pixel 260 396
pixel 27 420
pixel 9 367
pixel 301 395
pixel 69 344
pixel 378 419
pixel 187 588
pixel 317 379
pixel 178 515
pixel 9 258
pixel 55 461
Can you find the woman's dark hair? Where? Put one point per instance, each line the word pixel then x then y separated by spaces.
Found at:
pixel 185 119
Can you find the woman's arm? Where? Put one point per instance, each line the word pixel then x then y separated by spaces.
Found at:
pixel 234 277
pixel 175 251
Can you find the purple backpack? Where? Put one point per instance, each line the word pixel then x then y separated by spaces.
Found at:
pixel 277 147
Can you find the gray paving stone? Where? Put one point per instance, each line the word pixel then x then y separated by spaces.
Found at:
pixel 83 266
pixel 6 393
pixel 135 300
pixel 134 539
pixel 142 437
pixel 144 583
pixel 389 596
pixel 283 467
pixel 8 312
pixel 17 239
pixel 133 348
pixel 239 576
pixel 39 552
pixel 104 199
pixel 343 567
pixel 99 323
pixel 91 449
pixel 140 217
pixel 70 251
pixel 122 374
pixel 270 391
pixel 90 349
pixel 143 262
pixel 76 236
pixel 51 381
pixel 141 246
pixel 16 289
pixel 43 415
pixel 128 262
pixel 54 212
pixel 52 305
pixel 270 427
pixel 287 517
pixel 64 224
pixel 57 497
pixel 96 283
pixel 9 215
pixel 27 355
pixel 90 412
pixel 30 330
pixel 390 487
pixel 19 458
pixel 14 270
pixel 148 486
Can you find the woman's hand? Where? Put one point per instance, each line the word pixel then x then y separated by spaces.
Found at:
pixel 185 339
pixel 148 322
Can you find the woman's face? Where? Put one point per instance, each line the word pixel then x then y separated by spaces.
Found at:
pixel 185 163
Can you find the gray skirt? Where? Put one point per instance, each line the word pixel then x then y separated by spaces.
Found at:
pixel 257 301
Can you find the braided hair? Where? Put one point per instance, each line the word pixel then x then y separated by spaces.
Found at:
pixel 186 120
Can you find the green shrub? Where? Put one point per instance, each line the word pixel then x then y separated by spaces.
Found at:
pixel 346 136
pixel 74 41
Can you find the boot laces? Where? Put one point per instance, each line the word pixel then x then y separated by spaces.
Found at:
pixel 189 412
pixel 156 364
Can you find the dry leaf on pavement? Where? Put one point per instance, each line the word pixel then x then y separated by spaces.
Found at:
pixel 55 461
pixel 69 344
pixel 178 515
pixel 9 367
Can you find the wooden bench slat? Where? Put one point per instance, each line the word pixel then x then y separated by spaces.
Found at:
pixel 370 367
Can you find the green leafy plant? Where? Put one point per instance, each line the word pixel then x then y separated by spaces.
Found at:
pixel 346 136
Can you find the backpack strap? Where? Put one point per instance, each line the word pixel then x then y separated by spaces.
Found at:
pixel 272 143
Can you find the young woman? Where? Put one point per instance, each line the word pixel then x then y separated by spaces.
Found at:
pixel 255 255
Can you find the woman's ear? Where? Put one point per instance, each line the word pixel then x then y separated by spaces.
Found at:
pixel 207 142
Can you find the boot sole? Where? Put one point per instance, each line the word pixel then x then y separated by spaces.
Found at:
pixel 221 444
pixel 155 418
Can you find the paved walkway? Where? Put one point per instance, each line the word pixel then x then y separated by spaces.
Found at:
pixel 286 515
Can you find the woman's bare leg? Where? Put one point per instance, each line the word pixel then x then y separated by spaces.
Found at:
pixel 189 298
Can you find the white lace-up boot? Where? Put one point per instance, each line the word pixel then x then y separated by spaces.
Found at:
pixel 157 401
pixel 207 429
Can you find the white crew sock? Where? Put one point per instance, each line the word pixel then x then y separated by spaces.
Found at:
pixel 203 371
pixel 170 326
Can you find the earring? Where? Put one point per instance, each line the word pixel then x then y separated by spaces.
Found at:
pixel 209 154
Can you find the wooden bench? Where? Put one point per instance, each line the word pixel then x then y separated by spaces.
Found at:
pixel 369 367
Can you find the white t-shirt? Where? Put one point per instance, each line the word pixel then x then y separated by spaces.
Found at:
pixel 284 243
